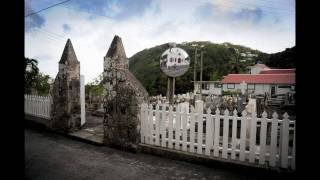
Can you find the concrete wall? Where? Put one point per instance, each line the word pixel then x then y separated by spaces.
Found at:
pixel 262 88
pixel 215 90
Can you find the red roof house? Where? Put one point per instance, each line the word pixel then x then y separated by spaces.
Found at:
pixel 260 79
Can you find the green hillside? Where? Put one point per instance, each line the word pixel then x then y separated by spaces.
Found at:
pixel 218 61
pixel 284 59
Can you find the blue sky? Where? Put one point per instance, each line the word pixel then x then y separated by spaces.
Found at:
pixel 266 25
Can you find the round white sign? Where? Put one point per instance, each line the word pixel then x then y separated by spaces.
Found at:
pixel 174 62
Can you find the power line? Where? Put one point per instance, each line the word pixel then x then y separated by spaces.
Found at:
pixel 46 8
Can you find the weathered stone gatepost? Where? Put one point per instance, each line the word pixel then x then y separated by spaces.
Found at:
pixel 65 111
pixel 124 95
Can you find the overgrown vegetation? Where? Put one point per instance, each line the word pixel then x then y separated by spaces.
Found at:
pixel 35 82
pixel 284 59
pixel 95 87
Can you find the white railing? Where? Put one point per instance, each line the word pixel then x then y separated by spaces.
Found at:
pixel 225 136
pixel 38 106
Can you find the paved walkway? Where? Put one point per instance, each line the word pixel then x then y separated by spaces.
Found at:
pixel 52 156
pixel 92 130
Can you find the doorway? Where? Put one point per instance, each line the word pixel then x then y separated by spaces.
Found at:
pixel 273 91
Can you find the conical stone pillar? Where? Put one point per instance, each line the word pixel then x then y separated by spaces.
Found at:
pixel 124 94
pixel 65 111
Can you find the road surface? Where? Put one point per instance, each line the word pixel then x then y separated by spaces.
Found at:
pixel 52 156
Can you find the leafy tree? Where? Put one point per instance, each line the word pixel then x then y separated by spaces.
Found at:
pixel 42 85
pixel 31 71
pixel 35 82
pixel 95 88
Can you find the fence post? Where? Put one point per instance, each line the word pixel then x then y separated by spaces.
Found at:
pixel 25 104
pixel 41 106
pixel 150 125
pixel 263 138
pixel 192 127
pixel 170 127
pixel 285 141
pixel 32 104
pixel 293 160
pixel 38 105
pixel 225 134
pixel 157 125
pixel 177 127
pixel 234 134
pixel 243 136
pixel 209 132
pixel 200 131
pixel 184 129
pixel 163 125
pixel 253 138
pixel 82 101
pixel 28 103
pixel 216 133
pixel 273 143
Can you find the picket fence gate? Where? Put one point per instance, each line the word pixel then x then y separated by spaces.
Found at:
pixel 38 106
pixel 208 134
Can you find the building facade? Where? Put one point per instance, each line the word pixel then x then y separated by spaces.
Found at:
pixel 273 84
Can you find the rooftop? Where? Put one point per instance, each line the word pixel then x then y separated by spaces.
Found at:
pixel 260 78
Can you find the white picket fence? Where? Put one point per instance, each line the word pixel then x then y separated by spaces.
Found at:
pixel 201 133
pixel 38 106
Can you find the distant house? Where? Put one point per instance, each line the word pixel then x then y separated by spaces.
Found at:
pixel 257 68
pixel 261 80
pixel 274 84
pixel 243 54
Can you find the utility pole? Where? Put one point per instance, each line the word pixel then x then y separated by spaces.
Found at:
pixel 195 71
pixel 171 83
pixel 201 67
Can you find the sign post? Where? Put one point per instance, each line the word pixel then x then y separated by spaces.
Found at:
pixel 174 62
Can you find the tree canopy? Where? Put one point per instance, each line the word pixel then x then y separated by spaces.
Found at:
pixel 35 82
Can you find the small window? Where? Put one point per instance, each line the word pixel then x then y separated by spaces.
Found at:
pixel 205 86
pixel 171 59
pixel 216 85
pixel 251 86
pixel 230 86
pixel 283 86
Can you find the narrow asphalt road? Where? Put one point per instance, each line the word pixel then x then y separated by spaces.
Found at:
pixel 52 156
